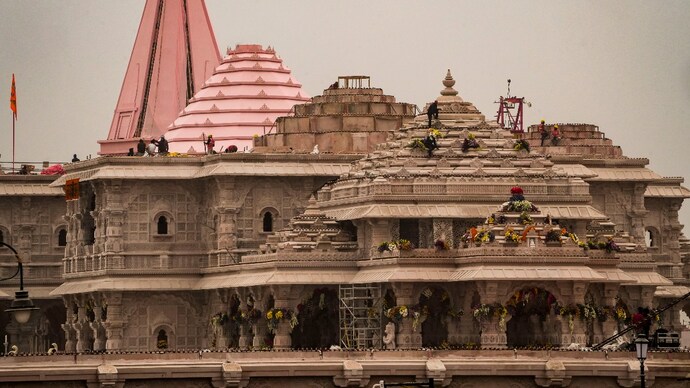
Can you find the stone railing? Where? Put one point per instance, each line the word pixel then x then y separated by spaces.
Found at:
pixel 496 248
pixel 165 262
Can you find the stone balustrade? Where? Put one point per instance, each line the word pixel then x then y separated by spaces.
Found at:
pixel 131 262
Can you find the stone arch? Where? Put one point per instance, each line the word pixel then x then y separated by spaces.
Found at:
pixel 163 223
pixel 652 237
pixel 5 235
pixel 163 337
pixel 531 319
pixel 268 217
pixel 435 305
pixel 318 319
pixel 60 233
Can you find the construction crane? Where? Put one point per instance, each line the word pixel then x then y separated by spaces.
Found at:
pixel 510 112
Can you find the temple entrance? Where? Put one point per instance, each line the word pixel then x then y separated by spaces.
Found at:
pixel 318 321
pixel 532 321
pixel 434 306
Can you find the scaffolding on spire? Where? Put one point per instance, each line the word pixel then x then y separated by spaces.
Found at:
pixel 510 112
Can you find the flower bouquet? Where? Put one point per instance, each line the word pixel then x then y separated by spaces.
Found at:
pixel 249 316
pixel 417 144
pixel 397 313
pixel 219 319
pixel 610 246
pixel 525 218
pixel 553 235
pixel 435 133
pixel 484 236
pixel 469 142
pixel 511 236
pixel 518 203
pixel 521 145
pixel 275 315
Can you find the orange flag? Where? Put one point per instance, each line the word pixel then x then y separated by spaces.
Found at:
pixel 13 98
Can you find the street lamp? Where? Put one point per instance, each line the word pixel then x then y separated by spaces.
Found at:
pixel 641 345
pixel 21 306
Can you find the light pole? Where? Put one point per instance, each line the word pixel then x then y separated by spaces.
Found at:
pixel 21 306
pixel 641 345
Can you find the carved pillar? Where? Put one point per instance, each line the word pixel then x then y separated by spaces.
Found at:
pixel 572 330
pixel 99 337
pixel 83 330
pixel 70 333
pixel 114 324
pixel 493 328
pixel 494 332
pixel 406 337
pixel 227 227
pixel 245 339
pixel 285 297
pixel 260 327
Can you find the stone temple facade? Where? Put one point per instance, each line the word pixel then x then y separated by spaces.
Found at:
pixel 486 242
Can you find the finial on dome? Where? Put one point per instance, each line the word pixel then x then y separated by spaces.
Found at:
pixel 448 82
pixel 312 207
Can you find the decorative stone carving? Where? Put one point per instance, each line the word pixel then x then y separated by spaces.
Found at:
pixel 389 336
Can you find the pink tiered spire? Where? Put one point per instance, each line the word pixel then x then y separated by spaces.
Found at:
pixel 175 51
pixel 243 98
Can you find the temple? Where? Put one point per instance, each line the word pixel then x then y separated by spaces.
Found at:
pixel 355 243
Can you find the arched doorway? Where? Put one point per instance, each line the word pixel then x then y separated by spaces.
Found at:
pixel 532 321
pixel 318 320
pixel 434 306
pixel 162 339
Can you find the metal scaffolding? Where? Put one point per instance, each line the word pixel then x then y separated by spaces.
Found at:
pixel 360 316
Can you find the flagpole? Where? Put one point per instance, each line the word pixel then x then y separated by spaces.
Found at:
pixel 13 108
pixel 13 121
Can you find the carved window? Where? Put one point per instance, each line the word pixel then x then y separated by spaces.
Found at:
pixel 268 222
pixel 162 340
pixel 162 225
pixel 62 237
pixel 269 218
pixel 651 237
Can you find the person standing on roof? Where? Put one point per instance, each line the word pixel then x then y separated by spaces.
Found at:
pixel 162 145
pixel 432 111
pixel 543 132
pixel 555 135
pixel 210 143
pixel 141 147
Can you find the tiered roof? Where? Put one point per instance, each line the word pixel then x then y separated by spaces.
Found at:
pixel 401 181
pixel 243 98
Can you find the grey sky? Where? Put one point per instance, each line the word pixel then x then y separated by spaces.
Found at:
pixel 622 65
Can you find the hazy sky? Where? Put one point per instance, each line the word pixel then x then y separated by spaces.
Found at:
pixel 622 65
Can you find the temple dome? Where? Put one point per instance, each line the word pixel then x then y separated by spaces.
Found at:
pixel 244 96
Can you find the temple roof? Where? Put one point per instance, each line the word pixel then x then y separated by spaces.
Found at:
pixel 243 98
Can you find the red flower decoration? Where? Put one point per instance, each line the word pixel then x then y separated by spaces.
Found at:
pixel 517 190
